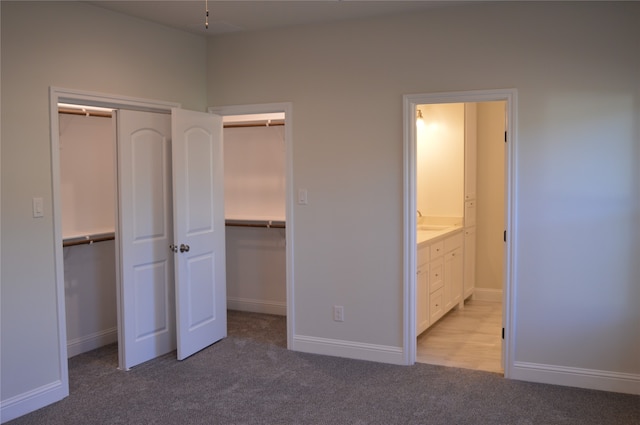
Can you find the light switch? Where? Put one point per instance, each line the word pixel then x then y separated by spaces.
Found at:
pixel 38 208
pixel 302 197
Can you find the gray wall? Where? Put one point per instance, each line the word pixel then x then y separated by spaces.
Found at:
pixel 575 66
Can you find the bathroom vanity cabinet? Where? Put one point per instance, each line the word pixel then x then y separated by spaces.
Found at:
pixel 439 282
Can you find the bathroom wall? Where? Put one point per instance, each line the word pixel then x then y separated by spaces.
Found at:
pixel 440 161
pixel 490 189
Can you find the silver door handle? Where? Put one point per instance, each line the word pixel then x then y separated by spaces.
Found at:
pixel 184 248
pixel 173 248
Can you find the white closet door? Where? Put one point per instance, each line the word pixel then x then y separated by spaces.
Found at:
pixel 198 180
pixel 146 295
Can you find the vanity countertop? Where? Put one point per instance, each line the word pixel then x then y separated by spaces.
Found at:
pixel 427 234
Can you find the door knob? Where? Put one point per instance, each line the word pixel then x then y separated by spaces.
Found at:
pixel 173 248
pixel 184 248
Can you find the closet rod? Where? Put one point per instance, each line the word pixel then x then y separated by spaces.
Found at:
pixel 269 224
pixel 254 124
pixel 87 113
pixel 89 239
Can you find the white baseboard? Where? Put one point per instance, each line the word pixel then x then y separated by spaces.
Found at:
pixel 38 398
pixel 628 383
pixel 484 294
pixel 91 342
pixel 257 306
pixel 349 349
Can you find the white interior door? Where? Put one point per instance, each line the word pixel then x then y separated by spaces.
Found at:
pixel 198 180
pixel 146 288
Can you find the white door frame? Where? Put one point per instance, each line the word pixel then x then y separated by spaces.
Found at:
pixel 410 103
pixel 57 95
pixel 287 108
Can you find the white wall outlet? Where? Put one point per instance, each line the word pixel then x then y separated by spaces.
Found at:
pixel 338 313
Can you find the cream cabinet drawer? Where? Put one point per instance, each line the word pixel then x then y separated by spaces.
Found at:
pixel 437 249
pixel 423 255
pixel 436 305
pixel 436 274
pixel 453 242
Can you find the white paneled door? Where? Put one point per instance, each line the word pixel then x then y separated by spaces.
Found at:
pixel 146 290
pixel 171 233
pixel 199 230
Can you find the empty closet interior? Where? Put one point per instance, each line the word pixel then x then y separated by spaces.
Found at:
pixel 254 173
pixel 87 187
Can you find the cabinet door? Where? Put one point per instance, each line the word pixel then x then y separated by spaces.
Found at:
pixel 469 213
pixel 422 299
pixel 453 269
pixel 448 277
pixel 470 151
pixel 469 275
pixel 457 278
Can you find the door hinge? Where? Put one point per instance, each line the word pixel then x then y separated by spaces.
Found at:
pixel 502 333
pixel 504 236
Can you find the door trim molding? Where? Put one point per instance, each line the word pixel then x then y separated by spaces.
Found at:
pixel 410 103
pixel 56 95
pixel 287 108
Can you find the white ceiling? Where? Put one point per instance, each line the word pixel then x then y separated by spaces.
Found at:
pixel 241 15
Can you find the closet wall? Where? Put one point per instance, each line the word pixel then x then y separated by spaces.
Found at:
pixel 87 181
pixel 255 184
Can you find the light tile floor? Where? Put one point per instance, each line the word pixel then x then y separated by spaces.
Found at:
pixel 468 338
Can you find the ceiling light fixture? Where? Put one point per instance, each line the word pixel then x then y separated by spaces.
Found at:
pixel 206 17
pixel 419 120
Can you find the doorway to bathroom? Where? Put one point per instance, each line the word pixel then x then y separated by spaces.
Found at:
pixel 458 208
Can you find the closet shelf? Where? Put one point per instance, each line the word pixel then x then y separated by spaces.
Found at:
pixel 89 239
pixel 278 224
